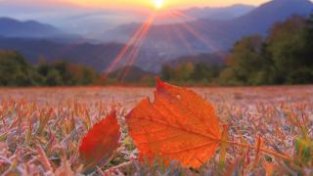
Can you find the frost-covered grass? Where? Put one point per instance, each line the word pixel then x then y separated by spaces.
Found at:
pixel 41 129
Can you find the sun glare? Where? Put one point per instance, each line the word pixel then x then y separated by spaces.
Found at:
pixel 158 3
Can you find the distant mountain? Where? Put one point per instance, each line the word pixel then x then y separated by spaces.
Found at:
pixel 28 29
pixel 219 13
pixel 262 18
pixel 69 17
pixel 93 22
pixel 122 32
pixel 207 35
pixel 98 56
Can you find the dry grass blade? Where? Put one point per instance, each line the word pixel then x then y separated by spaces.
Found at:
pixel 257 150
pixel 44 159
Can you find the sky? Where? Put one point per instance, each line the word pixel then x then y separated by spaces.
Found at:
pixel 171 3
pixel 136 3
pixel 90 15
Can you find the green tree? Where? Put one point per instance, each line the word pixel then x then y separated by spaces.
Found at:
pixel 180 73
pixel 287 45
pixel 247 63
pixel 183 72
pixel 80 75
pixel 167 73
pixel 15 71
pixel 308 54
pixel 63 73
pixel 205 73
pixel 284 57
pixel 54 78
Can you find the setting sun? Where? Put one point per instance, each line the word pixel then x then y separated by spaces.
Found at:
pixel 158 3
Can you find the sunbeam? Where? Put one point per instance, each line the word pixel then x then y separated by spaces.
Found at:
pixel 129 54
pixel 131 48
pixel 193 32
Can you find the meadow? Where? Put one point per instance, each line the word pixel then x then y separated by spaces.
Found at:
pixel 41 130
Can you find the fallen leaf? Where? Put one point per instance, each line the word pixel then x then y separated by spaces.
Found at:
pixel 179 125
pixel 101 141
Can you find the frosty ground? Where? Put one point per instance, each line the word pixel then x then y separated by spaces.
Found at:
pixel 41 129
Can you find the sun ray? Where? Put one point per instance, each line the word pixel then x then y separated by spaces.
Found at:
pixel 130 52
pixel 123 52
pixel 195 33
pixel 130 45
pixel 184 41
pixel 134 53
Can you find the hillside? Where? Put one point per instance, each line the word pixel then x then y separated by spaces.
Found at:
pixel 98 56
pixel 262 18
pixel 219 13
pixel 207 35
pixel 29 29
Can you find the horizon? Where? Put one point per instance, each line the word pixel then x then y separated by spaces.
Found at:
pixel 51 11
pixel 67 15
pixel 136 4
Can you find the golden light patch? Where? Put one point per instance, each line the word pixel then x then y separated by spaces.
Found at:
pixel 158 4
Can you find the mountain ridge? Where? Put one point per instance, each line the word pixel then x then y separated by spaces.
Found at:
pixel 214 35
pixel 97 56
pixel 10 27
pixel 219 13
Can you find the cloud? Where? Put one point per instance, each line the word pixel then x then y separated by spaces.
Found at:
pixel 33 2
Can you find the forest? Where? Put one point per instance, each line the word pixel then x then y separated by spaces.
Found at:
pixel 282 57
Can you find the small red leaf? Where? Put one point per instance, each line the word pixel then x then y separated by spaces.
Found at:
pixel 101 141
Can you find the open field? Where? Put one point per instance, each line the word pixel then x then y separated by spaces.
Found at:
pixel 41 128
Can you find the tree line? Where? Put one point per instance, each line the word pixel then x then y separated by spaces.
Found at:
pixel 15 71
pixel 284 56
